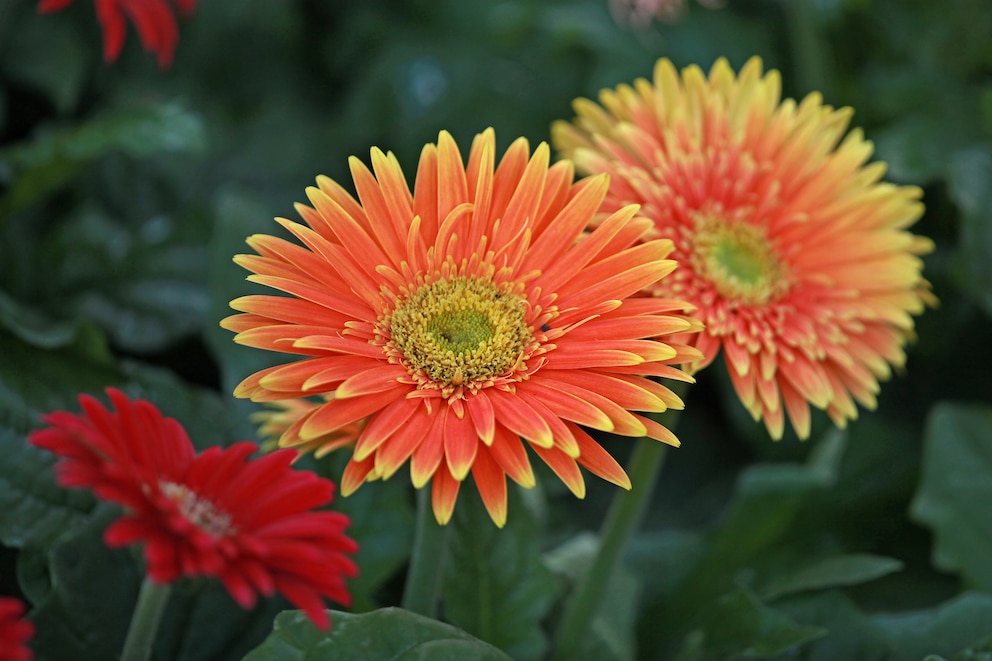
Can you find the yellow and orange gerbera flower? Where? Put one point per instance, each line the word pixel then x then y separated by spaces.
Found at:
pixel 793 249
pixel 466 315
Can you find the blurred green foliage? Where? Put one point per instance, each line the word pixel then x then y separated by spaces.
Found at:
pixel 125 191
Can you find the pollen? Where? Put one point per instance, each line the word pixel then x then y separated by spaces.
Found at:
pixel 738 259
pixel 198 511
pixel 460 331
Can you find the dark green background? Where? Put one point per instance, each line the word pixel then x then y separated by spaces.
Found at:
pixel 125 191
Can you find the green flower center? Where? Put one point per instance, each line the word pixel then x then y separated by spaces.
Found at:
pixel 460 330
pixel 738 260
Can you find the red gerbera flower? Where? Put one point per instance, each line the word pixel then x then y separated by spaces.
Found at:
pixel 794 250
pixel 153 19
pixel 456 319
pixel 247 522
pixel 15 631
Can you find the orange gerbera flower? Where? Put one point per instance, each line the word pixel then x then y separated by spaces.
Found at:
pixel 463 316
pixel 795 252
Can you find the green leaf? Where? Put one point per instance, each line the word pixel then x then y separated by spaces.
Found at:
pixel 979 651
pixel 202 623
pixel 943 631
pixel 93 590
pixel 767 500
pixel 752 538
pixel 144 285
pixel 833 571
pixel 33 327
pixel 389 634
pixel 957 463
pixel 739 624
pixel 851 634
pixel 32 382
pixel 51 159
pixel 495 586
pixel 86 612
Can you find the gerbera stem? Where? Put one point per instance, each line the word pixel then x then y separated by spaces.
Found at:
pixel 621 520
pixel 423 580
pixel 144 623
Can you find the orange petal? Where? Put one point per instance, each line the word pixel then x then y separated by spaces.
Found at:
pixel 425 190
pixel 346 345
pixel 397 449
pixel 444 493
pixel 461 443
pixel 452 183
pixel 508 451
pixel 598 461
pixel 354 475
pixel 370 381
pixel 338 368
pixel 337 413
pixel 429 454
pixel 293 376
pixel 520 418
pixel 480 410
pixel 491 482
pixel 567 406
pixel 383 425
pixel 658 431
pixel 624 422
pixel 565 468
pixel 630 328
pixel 567 225
pixel 798 409
pixel 559 430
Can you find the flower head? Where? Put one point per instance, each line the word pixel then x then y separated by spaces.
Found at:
pixel 456 319
pixel 15 631
pixel 793 249
pixel 249 523
pixel 153 19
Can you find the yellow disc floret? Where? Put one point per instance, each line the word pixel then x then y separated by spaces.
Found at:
pixel 460 330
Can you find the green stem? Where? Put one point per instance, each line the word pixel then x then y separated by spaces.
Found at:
pixel 622 519
pixel 423 580
pixel 144 623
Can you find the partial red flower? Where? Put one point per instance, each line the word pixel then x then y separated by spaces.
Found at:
pixel 249 523
pixel 794 250
pixel 452 321
pixel 15 631
pixel 154 20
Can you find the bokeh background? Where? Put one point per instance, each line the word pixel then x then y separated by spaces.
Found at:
pixel 125 190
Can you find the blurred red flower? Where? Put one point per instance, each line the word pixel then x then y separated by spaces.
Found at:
pixel 247 522
pixel 15 631
pixel 154 20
